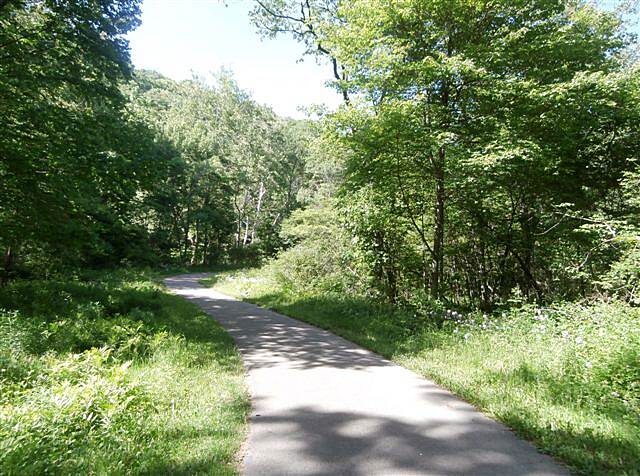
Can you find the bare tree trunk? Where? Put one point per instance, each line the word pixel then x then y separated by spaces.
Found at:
pixel 240 219
pixel 196 237
pixel 437 269
pixel 526 259
pixel 9 257
pixel 261 194
pixel 205 250
pixel 246 232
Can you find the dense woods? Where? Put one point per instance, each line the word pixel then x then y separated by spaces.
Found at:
pixel 490 148
pixel 486 158
pixel 102 165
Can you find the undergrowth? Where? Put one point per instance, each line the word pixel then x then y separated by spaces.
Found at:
pixel 110 374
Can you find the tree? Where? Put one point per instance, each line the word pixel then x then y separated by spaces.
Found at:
pixel 236 167
pixel 477 129
pixel 64 155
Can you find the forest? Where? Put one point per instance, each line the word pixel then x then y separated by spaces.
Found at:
pixel 470 211
pixel 104 166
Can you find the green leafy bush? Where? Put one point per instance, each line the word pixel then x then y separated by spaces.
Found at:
pixel 319 258
pixel 623 278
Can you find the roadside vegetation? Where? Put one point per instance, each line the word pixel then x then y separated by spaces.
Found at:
pixel 566 376
pixel 108 373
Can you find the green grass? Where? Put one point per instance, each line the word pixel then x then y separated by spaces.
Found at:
pixel 566 378
pixel 111 374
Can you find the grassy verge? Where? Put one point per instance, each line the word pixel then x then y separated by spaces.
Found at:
pixel 566 378
pixel 110 374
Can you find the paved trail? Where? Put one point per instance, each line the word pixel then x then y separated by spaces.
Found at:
pixel 324 406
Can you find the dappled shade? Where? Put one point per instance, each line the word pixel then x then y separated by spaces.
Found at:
pixel 322 405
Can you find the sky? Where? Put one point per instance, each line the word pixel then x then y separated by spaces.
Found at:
pixel 181 37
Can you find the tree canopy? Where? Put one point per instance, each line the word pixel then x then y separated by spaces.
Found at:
pixel 485 137
pixel 103 165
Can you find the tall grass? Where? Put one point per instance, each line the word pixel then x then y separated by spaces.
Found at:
pixel 566 377
pixel 110 374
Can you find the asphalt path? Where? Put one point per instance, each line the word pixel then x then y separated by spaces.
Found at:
pixel 322 405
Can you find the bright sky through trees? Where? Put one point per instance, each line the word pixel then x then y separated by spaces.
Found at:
pixel 178 37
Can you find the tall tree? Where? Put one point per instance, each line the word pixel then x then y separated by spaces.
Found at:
pixel 478 129
pixel 236 166
pixel 62 151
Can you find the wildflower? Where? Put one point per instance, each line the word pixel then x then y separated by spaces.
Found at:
pixel 579 340
pixel 588 364
pixel 615 394
pixel 466 336
pixel 565 334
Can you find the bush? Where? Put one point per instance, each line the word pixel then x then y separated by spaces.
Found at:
pixel 320 258
pixel 246 256
pixel 623 278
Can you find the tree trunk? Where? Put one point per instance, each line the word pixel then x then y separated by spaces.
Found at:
pixel 528 224
pixel 246 232
pixel 185 243
pixel 261 193
pixel 9 258
pixel 437 267
pixel 205 248
pixel 194 254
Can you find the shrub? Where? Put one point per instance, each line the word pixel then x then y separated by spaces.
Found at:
pixel 623 278
pixel 319 258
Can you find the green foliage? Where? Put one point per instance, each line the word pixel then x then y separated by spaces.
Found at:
pixel 236 168
pixel 109 374
pixel 320 258
pixel 102 166
pixel 72 159
pixel 623 278
pixel 81 414
pixel 479 139
pixel 564 376
pixel 622 232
